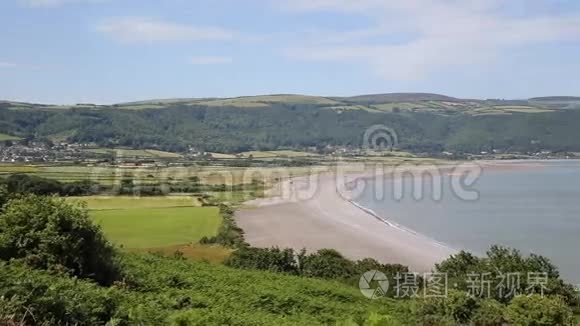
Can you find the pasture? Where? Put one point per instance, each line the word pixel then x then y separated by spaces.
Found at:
pixel 128 153
pixel 152 222
pixel 128 202
pixel 157 227
pixel 4 137
pixel 113 175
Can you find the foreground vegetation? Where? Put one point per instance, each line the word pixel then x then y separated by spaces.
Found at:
pixel 56 267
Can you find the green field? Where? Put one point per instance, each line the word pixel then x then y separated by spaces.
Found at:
pixel 109 175
pixel 152 222
pixel 4 137
pixel 145 153
pixel 157 227
pixel 130 202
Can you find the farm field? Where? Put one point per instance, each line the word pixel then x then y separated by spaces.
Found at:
pixel 109 175
pixel 279 153
pixel 152 222
pixel 129 202
pixel 157 227
pixel 145 153
pixel 4 137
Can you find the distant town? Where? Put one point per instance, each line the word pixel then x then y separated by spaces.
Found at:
pixel 38 152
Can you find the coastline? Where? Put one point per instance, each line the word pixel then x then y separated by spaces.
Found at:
pixel 328 220
pixel 399 226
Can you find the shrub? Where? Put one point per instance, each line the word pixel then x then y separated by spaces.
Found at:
pixel 31 184
pixel 3 196
pixel 457 307
pixel 327 263
pixel 34 297
pixel 49 233
pixel 271 259
pixel 229 234
pixel 538 310
pixel 499 262
pixel 489 313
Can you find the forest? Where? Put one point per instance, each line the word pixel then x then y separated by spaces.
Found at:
pixel 421 126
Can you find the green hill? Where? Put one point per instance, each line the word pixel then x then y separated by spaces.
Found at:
pixel 397 97
pixel 423 122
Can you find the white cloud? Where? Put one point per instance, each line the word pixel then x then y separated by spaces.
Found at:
pixel 437 34
pixel 210 60
pixel 149 30
pixel 55 3
pixel 4 64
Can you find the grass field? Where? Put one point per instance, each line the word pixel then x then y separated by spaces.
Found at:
pixel 157 227
pixel 522 109
pixel 16 168
pixel 129 202
pixel 264 100
pixel 280 153
pixel 4 137
pixel 152 222
pixel 146 153
pixel 222 155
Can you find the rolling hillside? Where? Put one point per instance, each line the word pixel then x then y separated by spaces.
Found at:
pixel 424 122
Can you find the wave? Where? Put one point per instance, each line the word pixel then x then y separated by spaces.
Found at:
pixel 398 226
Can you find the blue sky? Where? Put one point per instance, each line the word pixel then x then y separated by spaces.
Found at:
pixel 106 51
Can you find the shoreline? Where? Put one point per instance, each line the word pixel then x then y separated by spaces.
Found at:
pixel 400 227
pixel 328 220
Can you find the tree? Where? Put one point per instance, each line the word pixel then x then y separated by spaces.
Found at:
pixel 501 261
pixel 327 263
pixel 49 233
pixel 489 313
pixel 538 310
pixel 3 196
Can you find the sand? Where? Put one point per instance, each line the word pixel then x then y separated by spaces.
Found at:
pixel 328 219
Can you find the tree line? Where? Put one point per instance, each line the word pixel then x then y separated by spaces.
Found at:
pixel 178 127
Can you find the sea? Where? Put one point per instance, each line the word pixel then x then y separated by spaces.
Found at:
pixel 531 206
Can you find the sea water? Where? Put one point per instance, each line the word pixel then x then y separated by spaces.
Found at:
pixel 530 207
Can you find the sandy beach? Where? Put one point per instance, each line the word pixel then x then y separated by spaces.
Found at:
pixel 326 219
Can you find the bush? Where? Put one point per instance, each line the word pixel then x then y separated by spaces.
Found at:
pixel 538 310
pixel 270 259
pixel 489 313
pixel 327 263
pixel 457 307
pixel 3 196
pixel 31 184
pixel 499 262
pixel 49 233
pixel 229 234
pixel 33 297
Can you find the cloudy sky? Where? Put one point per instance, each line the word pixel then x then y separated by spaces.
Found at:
pixel 104 51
